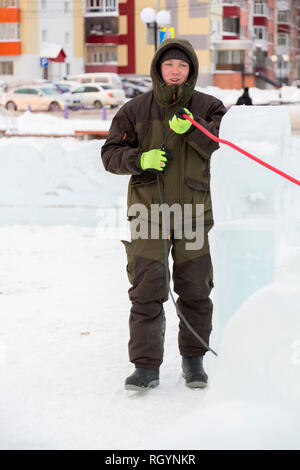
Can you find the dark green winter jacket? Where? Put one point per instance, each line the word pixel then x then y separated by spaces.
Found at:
pixel 142 124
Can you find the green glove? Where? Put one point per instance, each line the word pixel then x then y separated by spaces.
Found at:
pixel 153 159
pixel 180 125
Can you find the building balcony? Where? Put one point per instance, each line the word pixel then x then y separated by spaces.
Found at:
pixel 231 44
pixel 231 11
pixel 283 28
pixel 102 39
pixel 9 15
pixel 10 47
pixel 230 35
pixel 231 67
pixel 96 8
pixel 260 21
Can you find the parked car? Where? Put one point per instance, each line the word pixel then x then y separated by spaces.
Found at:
pixel 42 98
pixel 109 78
pixel 132 89
pixel 66 85
pixel 3 86
pixel 94 94
pixel 140 81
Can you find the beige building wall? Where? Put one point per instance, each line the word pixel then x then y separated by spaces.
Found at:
pixel 29 26
pixel 122 55
pixel 78 24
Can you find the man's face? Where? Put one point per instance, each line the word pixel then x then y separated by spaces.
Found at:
pixel 174 71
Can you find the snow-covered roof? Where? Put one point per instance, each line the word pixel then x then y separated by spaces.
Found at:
pixel 51 50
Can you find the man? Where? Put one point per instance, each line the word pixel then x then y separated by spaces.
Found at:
pixel 244 98
pixel 133 146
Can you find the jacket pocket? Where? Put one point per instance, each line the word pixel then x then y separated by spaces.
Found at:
pixel 130 260
pixel 142 190
pixel 198 192
pixel 197 185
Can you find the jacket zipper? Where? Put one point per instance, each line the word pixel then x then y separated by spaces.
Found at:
pixel 179 178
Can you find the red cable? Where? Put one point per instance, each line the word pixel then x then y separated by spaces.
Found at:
pixel 239 149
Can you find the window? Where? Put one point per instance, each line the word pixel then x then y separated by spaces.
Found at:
pixel 9 3
pixel 48 91
pixel 223 57
pixel 282 39
pixel 9 31
pixel 6 68
pixel 110 5
pixel 22 91
pixel 79 90
pixel 111 54
pixel 238 57
pixel 284 16
pixel 102 5
pixel 101 54
pixel 260 8
pixel 261 33
pixel 230 57
pixel 231 25
pixel 101 80
pixel 91 89
pixel 100 26
pixel 105 87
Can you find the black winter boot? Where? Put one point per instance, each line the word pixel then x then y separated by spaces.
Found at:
pixel 193 372
pixel 142 379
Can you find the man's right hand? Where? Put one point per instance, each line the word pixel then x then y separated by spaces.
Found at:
pixel 154 159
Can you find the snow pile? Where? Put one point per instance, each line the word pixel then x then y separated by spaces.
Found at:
pixel 253 400
pixel 56 173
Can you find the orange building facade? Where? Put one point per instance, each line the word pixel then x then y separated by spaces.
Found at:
pixel 10 41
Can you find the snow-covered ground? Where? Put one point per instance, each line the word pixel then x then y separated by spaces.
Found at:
pixel 64 304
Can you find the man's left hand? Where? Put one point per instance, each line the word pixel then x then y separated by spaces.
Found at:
pixel 181 125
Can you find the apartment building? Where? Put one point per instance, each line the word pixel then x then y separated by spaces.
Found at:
pixel 10 36
pixel 242 54
pixel 109 36
pixel 287 54
pixel 116 39
pixel 40 39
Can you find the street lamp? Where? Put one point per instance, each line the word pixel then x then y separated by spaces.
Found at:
pixel 281 59
pixel 159 19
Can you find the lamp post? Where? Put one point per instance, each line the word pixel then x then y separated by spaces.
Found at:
pixel 281 59
pixel 161 18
